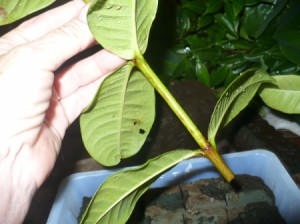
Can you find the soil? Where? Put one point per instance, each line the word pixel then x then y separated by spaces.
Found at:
pixel 211 201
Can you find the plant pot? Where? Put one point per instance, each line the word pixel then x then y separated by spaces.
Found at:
pixel 261 163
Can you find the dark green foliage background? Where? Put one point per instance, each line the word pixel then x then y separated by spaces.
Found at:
pixel 214 41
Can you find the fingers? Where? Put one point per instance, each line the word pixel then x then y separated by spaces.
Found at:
pixel 40 25
pixel 77 85
pixel 53 49
pixel 85 72
pixel 74 104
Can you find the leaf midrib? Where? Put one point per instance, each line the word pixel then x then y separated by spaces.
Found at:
pixel 121 115
pixel 139 183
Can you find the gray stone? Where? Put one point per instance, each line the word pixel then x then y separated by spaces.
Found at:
pixel 212 201
pixel 206 216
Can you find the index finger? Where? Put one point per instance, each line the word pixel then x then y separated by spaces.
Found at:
pixel 50 51
pixel 40 25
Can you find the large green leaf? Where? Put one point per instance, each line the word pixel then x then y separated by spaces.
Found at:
pixel 287 33
pixel 286 96
pixel 202 73
pixel 229 25
pixel 122 26
pixel 258 17
pixel 117 123
pixel 11 11
pixel 238 7
pixel 194 6
pixel 213 6
pixel 115 199
pixel 235 98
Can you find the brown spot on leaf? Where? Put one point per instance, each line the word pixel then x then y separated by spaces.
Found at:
pixel 3 14
pixel 136 121
pixel 142 131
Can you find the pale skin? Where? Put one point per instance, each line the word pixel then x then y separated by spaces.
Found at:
pixel 38 105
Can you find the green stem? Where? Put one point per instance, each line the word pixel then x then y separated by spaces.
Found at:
pixel 142 64
pixel 219 163
pixel 207 150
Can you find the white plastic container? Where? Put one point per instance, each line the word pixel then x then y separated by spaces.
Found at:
pixel 261 163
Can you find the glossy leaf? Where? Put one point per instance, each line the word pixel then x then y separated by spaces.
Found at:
pixel 252 2
pixel 204 21
pixel 11 11
pixel 219 76
pixel 235 44
pixel 215 33
pixel 195 42
pixel 195 6
pixel 258 17
pixel 115 199
pixel 288 35
pixel 229 11
pixel 117 123
pixel 291 51
pixel 286 96
pixel 213 6
pixel 207 54
pixel 235 98
pixel 202 73
pixel 231 26
pixel 238 7
pixel 122 26
pixel 186 21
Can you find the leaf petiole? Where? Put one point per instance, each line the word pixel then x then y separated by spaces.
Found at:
pixel 206 149
pixel 142 64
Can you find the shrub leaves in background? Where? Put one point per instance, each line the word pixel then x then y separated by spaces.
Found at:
pixel 11 11
pixel 122 26
pixel 118 121
pixel 235 98
pixel 258 17
pixel 234 36
pixel 288 33
pixel 284 97
pixel 115 199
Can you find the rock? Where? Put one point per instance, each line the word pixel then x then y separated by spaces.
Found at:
pixel 211 201
pixel 206 216
pixel 255 213
pixel 204 194
pixel 165 209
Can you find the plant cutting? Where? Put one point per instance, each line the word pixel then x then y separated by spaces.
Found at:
pixel 123 109
pixel 131 21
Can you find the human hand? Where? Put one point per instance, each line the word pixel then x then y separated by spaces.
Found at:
pixel 37 106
